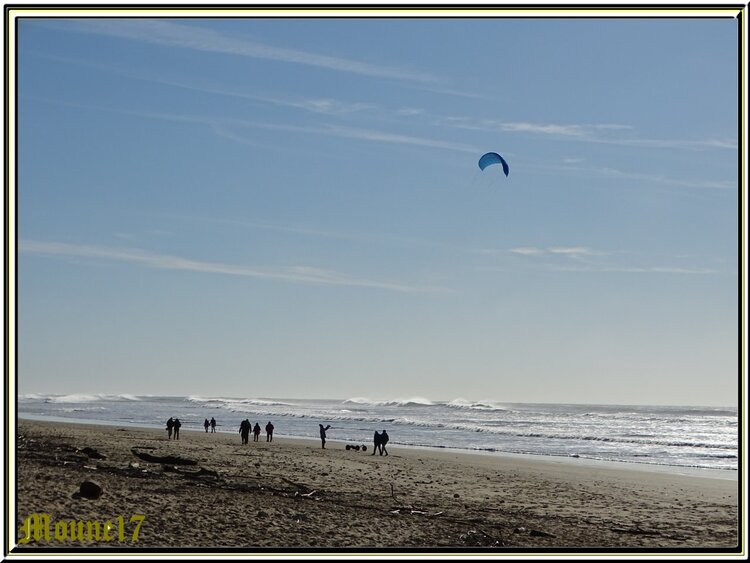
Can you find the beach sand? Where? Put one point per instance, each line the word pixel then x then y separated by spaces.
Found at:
pixel 291 494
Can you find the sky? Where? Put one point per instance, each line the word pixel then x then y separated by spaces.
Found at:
pixel 292 208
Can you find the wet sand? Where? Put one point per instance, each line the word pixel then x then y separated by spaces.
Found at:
pixel 292 495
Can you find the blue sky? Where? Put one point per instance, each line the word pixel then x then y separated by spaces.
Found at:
pixel 293 208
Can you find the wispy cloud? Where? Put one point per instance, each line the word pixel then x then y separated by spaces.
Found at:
pixel 395 138
pixel 147 234
pixel 552 129
pixel 571 130
pixel 318 105
pixel 636 270
pixel 528 251
pixel 331 130
pixel 326 106
pixel 170 34
pixel 582 259
pixel 296 274
pixel 653 178
pixel 409 111
pixel 599 133
pixel 570 251
pixel 574 251
pixel 224 125
pixel 458 93
pixel 355 236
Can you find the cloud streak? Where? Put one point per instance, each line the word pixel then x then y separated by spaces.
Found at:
pixel 570 251
pixel 581 259
pixel 368 237
pixel 653 178
pixel 295 274
pixel 635 270
pixel 195 38
pixel 319 105
pixel 600 133
pixel 222 126
pixel 325 106
pixel 225 127
pixel 557 129
pixel 393 138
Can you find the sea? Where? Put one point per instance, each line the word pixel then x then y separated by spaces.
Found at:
pixel 676 437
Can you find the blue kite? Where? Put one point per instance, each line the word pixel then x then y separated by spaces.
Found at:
pixel 491 158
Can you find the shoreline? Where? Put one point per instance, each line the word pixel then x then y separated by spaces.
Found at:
pixel 704 472
pixel 290 493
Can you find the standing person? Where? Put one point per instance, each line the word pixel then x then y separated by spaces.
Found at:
pixel 256 432
pixel 378 440
pixel 205 424
pixel 245 431
pixel 323 434
pixel 383 442
pixel 213 425
pixel 269 432
pixel 170 425
pixel 176 427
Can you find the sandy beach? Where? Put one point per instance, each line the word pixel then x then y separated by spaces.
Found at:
pixel 291 494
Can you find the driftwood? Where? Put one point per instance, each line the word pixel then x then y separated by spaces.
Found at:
pixel 92 453
pixel 202 472
pixel 300 486
pixel 414 511
pixel 169 459
pixel 541 534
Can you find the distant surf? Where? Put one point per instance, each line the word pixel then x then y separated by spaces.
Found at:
pixel 671 436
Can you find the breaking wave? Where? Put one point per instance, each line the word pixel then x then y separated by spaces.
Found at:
pixel 229 402
pixel 78 397
pixel 412 402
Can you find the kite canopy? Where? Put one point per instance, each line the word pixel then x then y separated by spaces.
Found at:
pixel 491 158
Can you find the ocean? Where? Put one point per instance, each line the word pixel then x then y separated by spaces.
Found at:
pixel 668 436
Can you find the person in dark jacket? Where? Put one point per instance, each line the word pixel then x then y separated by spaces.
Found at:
pixel 383 441
pixel 323 434
pixel 245 431
pixel 380 439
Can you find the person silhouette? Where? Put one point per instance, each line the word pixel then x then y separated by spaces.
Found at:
pixel 269 432
pixel 383 441
pixel 206 424
pixel 245 430
pixel 176 428
pixel 213 425
pixel 323 435
pixel 170 425
pixel 256 432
